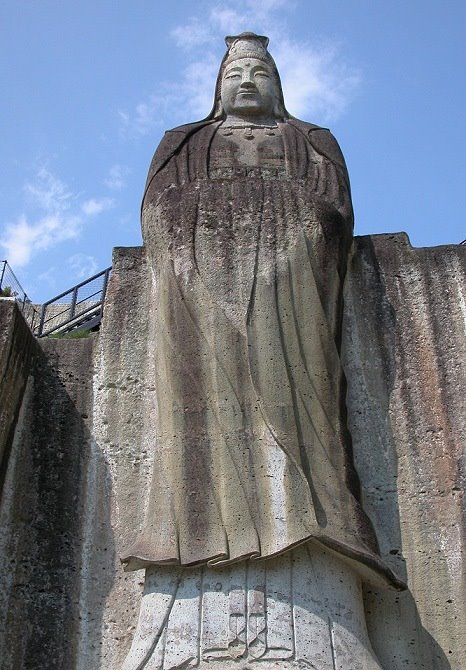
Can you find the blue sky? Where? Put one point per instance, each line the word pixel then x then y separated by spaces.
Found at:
pixel 88 89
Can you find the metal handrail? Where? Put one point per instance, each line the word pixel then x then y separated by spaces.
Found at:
pixel 78 286
pixel 11 288
pixel 71 301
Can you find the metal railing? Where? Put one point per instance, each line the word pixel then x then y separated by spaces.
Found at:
pixel 11 288
pixel 79 308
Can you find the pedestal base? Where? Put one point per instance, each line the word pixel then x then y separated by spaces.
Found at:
pixel 301 610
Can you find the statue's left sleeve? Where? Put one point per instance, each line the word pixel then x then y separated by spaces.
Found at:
pixel 326 145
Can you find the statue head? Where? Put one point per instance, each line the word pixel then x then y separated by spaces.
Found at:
pixel 248 82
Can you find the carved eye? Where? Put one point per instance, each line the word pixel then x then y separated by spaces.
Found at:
pixel 233 75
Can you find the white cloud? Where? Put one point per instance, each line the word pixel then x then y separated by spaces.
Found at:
pixel 83 266
pixel 22 239
pixel 193 34
pixel 248 15
pixel 58 216
pixel 117 175
pixel 227 20
pixel 187 100
pixel 48 192
pixel 198 85
pixel 151 113
pixel 96 206
pixel 317 82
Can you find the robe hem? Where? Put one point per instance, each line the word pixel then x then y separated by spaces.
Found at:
pixel 371 568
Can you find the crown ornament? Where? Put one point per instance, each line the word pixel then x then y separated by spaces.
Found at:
pixel 247 45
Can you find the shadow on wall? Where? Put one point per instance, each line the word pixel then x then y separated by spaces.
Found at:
pixel 57 547
pixel 397 634
pixel 369 360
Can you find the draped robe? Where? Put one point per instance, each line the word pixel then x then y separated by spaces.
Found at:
pixel 253 456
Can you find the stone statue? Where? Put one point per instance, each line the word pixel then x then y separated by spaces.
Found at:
pixel 255 542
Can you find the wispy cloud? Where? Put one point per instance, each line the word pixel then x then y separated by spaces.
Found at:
pixel 150 113
pixel 48 192
pixel 83 266
pixel 59 216
pixel 195 33
pixel 96 206
pixel 318 84
pixel 116 179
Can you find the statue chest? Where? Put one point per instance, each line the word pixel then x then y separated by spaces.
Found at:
pixel 238 148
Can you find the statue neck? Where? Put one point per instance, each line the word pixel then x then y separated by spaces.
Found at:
pixel 248 120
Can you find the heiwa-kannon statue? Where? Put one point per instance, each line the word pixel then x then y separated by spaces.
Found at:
pixel 255 542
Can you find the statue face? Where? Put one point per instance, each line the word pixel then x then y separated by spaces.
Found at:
pixel 248 88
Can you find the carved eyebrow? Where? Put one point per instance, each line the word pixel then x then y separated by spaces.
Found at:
pixel 254 69
pixel 234 68
pixel 263 68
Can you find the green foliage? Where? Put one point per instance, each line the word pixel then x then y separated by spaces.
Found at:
pixel 72 335
pixel 7 292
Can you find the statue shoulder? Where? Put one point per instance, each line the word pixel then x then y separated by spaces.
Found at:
pixel 321 140
pixel 170 143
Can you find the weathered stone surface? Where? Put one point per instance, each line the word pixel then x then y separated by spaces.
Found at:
pixel 301 610
pixel 16 346
pixel 124 418
pixel 404 354
pixel 404 628
pixel 42 511
pixel 65 601
pixel 125 434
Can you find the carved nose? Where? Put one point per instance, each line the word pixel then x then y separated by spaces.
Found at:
pixel 247 83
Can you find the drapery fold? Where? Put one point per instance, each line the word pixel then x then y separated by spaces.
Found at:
pixel 253 456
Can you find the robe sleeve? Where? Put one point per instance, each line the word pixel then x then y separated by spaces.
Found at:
pixel 171 144
pixel 326 145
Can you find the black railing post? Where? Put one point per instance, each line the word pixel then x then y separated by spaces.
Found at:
pixel 104 286
pixel 3 274
pixel 73 302
pixel 42 320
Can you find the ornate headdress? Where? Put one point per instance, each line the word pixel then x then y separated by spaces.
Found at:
pixel 247 45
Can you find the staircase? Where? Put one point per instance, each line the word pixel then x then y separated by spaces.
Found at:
pixel 78 308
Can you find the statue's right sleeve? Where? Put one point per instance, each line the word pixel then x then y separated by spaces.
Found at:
pixel 163 170
pixel 168 147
